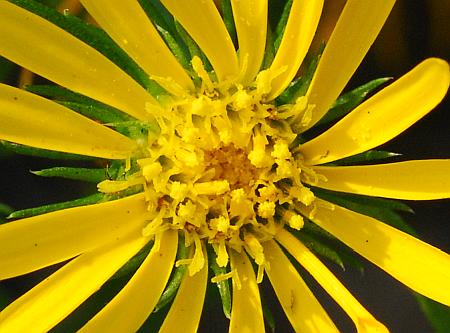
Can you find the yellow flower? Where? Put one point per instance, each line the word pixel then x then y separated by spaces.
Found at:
pixel 222 168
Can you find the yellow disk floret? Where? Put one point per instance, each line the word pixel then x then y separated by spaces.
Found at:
pixel 222 169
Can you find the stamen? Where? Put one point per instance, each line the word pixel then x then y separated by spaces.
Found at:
pixel 223 277
pixel 170 85
pixel 113 186
pixel 217 187
pixel 266 209
pixel 198 260
pixel 198 67
pixel 222 254
pixel 222 168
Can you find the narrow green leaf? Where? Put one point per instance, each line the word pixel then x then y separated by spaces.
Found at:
pixel 158 14
pixel 175 279
pixel 364 200
pixel 89 200
pixel 83 174
pixel 321 236
pixel 5 210
pixel 437 314
pixel 324 244
pixel 137 130
pixel 370 155
pixel 269 52
pixel 194 49
pixel 222 286
pixel 94 37
pixel 228 19
pixel 31 151
pixel 179 52
pixel 378 208
pixel 300 86
pixel 268 316
pixel 79 103
pixel 320 248
pixel 133 264
pixel 164 23
pixel 347 102
pixel 279 30
pixel 93 112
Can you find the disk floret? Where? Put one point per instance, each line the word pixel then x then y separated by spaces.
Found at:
pixel 222 171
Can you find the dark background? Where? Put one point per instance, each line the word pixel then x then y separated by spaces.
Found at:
pixel 415 30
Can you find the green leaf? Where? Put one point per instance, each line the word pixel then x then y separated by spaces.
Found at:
pixel 326 245
pixel 228 20
pixel 378 208
pixel 5 210
pixel 323 237
pixel 84 105
pixel 268 316
pixel 133 264
pixel 31 151
pixel 300 86
pixel 179 52
pixel 96 38
pixel 175 279
pixel 279 30
pixel 320 248
pixel 222 286
pixel 83 174
pixel 347 102
pixel 370 155
pixel 89 200
pixel 269 52
pixel 437 314
pixel 194 49
pixel 164 23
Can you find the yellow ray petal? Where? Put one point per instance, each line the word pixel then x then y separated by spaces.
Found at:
pixel 411 180
pixel 36 44
pixel 54 298
pixel 127 311
pixel 299 304
pixel 35 121
pixel 363 320
pixel 184 314
pixel 383 116
pixel 251 26
pixel 128 25
pixel 357 27
pixel 298 34
pixel 36 242
pixel 418 265
pixel 202 21
pixel 246 311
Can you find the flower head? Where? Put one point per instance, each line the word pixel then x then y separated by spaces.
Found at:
pixel 207 141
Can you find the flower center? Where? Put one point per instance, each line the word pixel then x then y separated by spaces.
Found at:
pixel 221 169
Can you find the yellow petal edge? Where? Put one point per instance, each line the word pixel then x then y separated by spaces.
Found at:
pixel 299 304
pixel 129 309
pixel 418 265
pixel 246 311
pixel 410 180
pixel 363 320
pixel 384 115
